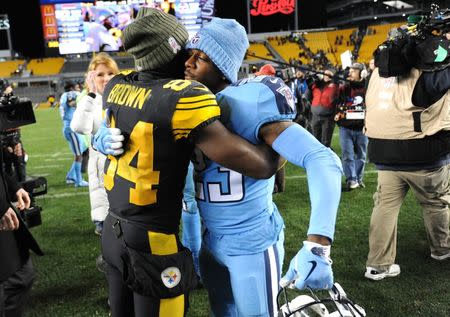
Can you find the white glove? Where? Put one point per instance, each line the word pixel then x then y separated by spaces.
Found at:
pixel 108 141
pixel 310 267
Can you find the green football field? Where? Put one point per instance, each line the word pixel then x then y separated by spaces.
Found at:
pixel 68 283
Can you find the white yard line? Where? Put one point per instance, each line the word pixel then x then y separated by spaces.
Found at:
pixel 67 158
pixel 304 176
pixel 44 167
pixel 63 195
pixel 56 154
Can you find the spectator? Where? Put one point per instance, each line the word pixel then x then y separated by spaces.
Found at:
pixel 410 151
pixel 350 119
pixel 325 94
pixel 86 120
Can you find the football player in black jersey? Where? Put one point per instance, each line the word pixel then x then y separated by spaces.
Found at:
pixel 162 118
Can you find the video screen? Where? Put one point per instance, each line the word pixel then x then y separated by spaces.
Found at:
pixel 82 27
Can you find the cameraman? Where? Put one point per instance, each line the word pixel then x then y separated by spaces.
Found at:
pixel 350 119
pixel 11 144
pixel 325 93
pixel 16 270
pixel 407 122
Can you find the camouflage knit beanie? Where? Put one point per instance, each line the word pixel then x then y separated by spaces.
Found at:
pixel 154 38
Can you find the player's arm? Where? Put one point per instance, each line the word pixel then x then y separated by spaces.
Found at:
pixel 196 118
pixel 324 173
pixel 233 152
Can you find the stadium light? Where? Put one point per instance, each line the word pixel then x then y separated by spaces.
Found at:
pixel 398 4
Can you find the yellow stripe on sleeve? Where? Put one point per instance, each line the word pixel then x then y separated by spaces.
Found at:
pixel 193 105
pixel 189 116
pixel 197 98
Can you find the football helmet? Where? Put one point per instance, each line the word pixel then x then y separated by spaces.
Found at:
pixel 336 305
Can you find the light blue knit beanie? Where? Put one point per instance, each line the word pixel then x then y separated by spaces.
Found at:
pixel 225 42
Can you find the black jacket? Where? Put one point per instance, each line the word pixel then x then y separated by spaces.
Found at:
pixel 14 245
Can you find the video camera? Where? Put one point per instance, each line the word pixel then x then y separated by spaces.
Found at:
pixel 421 44
pixel 35 187
pixel 15 112
pixel 286 73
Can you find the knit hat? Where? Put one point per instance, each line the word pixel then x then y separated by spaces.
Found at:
pixel 154 38
pixel 357 66
pixel 225 42
pixel 267 69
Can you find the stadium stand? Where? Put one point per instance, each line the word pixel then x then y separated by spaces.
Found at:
pixel 259 49
pixel 318 41
pixel 340 41
pixel 375 35
pixel 286 49
pixel 7 68
pixel 45 66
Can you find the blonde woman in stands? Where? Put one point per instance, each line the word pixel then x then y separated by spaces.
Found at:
pixel 86 120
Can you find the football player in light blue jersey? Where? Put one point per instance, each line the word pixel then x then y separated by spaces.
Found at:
pixel 242 251
pixel 67 106
pixel 190 217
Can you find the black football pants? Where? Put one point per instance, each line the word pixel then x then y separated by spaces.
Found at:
pixel 123 301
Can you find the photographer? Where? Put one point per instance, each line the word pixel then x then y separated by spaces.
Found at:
pixel 407 122
pixel 16 270
pixel 325 95
pixel 11 144
pixel 350 119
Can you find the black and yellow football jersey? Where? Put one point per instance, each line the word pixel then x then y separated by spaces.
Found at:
pixel 157 117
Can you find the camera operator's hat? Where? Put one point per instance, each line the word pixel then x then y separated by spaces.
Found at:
pixel 267 69
pixel 357 66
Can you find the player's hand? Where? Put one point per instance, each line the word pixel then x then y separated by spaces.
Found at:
pixel 108 141
pixel 23 199
pixel 9 221
pixel 310 267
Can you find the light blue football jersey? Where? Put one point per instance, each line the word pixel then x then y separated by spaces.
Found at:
pixel 67 106
pixel 231 203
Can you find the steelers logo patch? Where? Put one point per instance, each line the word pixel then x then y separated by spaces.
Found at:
pixel 171 277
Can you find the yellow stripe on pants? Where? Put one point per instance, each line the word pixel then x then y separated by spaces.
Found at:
pixel 165 244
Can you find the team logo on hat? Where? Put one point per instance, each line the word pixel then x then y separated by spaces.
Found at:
pixel 171 277
pixel 174 45
pixel 195 39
